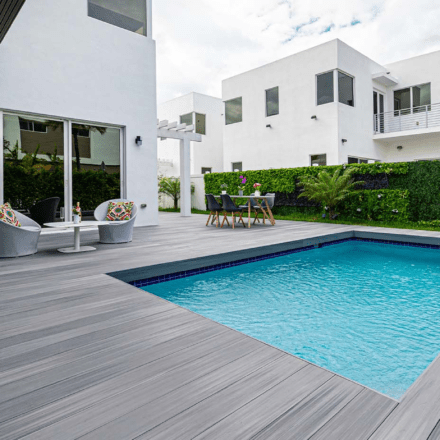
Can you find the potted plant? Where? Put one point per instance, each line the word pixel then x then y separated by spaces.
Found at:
pixel 257 189
pixel 224 186
pixel 76 211
pixel 241 187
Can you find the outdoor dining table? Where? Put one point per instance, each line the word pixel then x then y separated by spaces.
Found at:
pixel 77 227
pixel 266 212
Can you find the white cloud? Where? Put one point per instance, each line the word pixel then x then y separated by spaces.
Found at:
pixel 202 42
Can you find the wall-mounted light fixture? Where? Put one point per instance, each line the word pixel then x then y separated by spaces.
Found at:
pixel 138 141
pixel 314 117
pixel 343 141
pixel 268 126
pixel 399 147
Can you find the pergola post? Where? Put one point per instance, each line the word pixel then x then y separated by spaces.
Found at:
pixel 185 134
pixel 185 178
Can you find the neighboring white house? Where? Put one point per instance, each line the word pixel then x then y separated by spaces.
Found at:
pixel 206 114
pixel 318 106
pixel 84 63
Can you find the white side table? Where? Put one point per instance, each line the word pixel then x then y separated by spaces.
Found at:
pixel 77 227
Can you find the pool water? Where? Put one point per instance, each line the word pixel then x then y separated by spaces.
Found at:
pixel 367 311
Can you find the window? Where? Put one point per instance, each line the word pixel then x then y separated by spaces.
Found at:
pixel 200 123
pixel 402 100
pixel 324 88
pixel 32 126
pixel 318 159
pixel 345 89
pixel 421 99
pixel 272 103
pixel 356 160
pixel 206 170
pixel 186 119
pixel 131 15
pixel 233 111
pixel 237 166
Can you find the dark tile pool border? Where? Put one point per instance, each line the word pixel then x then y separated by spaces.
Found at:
pixel 210 268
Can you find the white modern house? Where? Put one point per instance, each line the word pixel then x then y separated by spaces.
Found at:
pixel 331 105
pixel 78 79
pixel 206 114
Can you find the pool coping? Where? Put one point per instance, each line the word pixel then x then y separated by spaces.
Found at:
pixel 143 276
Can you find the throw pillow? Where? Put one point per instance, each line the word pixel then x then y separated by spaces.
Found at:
pixel 7 215
pixel 119 211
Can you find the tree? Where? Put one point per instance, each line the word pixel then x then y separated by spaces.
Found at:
pixel 170 186
pixel 328 189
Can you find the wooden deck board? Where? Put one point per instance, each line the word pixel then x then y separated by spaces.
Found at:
pixel 85 354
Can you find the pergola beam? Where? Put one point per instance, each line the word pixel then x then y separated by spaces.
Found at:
pixel 181 135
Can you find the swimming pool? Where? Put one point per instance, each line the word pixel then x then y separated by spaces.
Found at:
pixel 367 311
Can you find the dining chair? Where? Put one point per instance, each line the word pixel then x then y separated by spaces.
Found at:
pixel 214 208
pixel 229 206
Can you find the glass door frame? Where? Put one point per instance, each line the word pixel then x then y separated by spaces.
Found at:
pixel 67 150
pixel 379 104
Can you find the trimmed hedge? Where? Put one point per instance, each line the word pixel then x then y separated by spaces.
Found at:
pixel 411 188
pixel 23 187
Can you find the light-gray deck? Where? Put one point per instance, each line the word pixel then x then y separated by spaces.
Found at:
pixel 85 355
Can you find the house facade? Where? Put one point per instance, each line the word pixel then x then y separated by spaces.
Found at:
pixel 331 105
pixel 206 114
pixel 78 91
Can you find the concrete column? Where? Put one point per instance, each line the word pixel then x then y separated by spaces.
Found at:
pixel 185 178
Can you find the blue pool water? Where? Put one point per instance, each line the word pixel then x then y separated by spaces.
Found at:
pixel 367 311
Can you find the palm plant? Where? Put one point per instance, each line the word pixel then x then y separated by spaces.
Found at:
pixel 328 189
pixel 170 186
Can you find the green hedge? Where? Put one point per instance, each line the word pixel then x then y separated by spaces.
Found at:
pixel 284 179
pixel 414 189
pixel 24 187
pixel 379 205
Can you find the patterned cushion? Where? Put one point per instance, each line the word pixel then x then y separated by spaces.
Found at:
pixel 7 215
pixel 118 211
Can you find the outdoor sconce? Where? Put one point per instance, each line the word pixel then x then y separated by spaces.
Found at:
pixel 399 147
pixel 144 205
pixel 268 126
pixel 314 117
pixel 344 141
pixel 138 141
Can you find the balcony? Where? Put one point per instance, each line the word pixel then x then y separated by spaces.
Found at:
pixel 424 118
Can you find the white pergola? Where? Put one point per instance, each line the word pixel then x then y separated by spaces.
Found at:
pixel 185 134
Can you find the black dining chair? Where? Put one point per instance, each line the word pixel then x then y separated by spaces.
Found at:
pixel 229 206
pixel 214 208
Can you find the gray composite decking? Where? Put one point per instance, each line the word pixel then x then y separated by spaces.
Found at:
pixel 85 355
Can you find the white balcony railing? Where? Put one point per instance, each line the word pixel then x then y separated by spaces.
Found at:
pixel 425 116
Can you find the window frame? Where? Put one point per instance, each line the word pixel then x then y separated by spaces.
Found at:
pixel 278 101
pixel 332 71
pixel 353 85
pixel 233 169
pixel 33 127
pixel 233 99
pixel 195 122
pixel 206 168
pixel 320 154
pixel 410 110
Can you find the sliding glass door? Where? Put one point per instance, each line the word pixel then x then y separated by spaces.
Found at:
pixel 47 157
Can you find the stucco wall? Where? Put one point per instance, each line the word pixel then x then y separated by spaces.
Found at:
pixel 207 153
pixel 58 61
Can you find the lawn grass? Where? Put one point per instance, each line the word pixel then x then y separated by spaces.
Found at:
pixel 306 217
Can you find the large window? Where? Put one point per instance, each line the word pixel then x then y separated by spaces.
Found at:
pixel 272 102
pixel 233 111
pixel 186 119
pixel 324 88
pixel 130 15
pixel 345 89
pixel 417 98
pixel 356 160
pixel 200 123
pixel 318 159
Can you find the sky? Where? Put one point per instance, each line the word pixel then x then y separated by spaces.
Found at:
pixel 201 42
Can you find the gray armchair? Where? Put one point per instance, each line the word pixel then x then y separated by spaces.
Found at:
pixel 19 241
pixel 115 232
